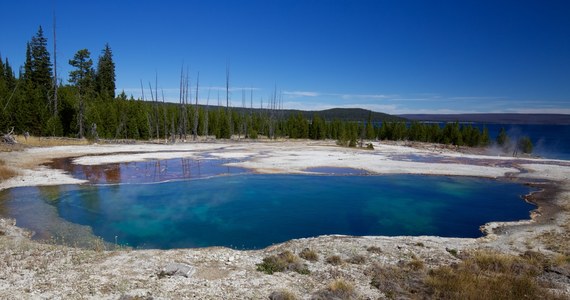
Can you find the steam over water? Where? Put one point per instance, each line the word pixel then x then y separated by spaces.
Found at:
pixel 550 141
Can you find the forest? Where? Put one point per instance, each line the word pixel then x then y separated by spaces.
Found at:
pixel 36 102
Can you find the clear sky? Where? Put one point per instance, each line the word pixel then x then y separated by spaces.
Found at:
pixel 390 56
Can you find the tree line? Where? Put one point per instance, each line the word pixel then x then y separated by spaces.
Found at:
pixel 36 102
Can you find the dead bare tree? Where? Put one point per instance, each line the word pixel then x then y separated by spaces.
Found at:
pixel 54 69
pixel 250 113
pixel 183 103
pixel 8 138
pixel 195 127
pixel 147 115
pixel 165 118
pixel 228 111
pixel 206 113
pixel 155 117
pixel 272 110
pixel 81 117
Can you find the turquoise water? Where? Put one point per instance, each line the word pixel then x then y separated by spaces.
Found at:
pixel 253 211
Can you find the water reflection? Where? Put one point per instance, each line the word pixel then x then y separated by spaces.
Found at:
pixel 147 171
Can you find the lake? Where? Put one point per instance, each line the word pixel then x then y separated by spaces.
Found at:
pixel 549 141
pixel 250 211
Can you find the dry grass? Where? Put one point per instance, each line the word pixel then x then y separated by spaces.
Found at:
pixel 553 240
pixel 416 264
pixel 35 141
pixel 6 172
pixel 282 262
pixel 339 289
pixel 282 295
pixel 309 255
pixel 374 249
pixel 357 259
pixel 486 275
pixel 480 275
pixel 334 260
pixel 398 281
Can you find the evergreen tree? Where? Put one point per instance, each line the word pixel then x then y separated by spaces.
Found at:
pixel 502 138
pixel 82 76
pixel 2 69
pixel 485 140
pixel 105 76
pixel 9 76
pixel 3 81
pixel 31 109
pixel 525 145
pixel 370 133
pixel 27 76
pixel 41 70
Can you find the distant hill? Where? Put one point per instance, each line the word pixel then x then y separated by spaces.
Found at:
pixel 494 118
pixel 342 114
pixel 350 114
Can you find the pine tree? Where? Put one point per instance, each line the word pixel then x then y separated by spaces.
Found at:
pixel 105 76
pixel 2 69
pixel 33 108
pixel 40 63
pixel 370 133
pixel 3 83
pixel 9 75
pixel 82 77
pixel 27 76
pixel 502 138
pixel 485 140
pixel 525 145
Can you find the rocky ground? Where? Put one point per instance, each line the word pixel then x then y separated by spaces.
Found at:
pixel 339 266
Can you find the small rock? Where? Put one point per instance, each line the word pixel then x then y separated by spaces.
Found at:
pixel 177 269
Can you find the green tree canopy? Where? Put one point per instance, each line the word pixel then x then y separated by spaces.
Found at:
pixel 39 64
pixel 82 76
pixel 105 76
pixel 502 138
pixel 525 144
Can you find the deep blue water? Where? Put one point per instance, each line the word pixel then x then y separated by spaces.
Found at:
pixel 254 211
pixel 549 141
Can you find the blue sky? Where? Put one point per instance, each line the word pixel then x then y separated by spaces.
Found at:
pixel 389 56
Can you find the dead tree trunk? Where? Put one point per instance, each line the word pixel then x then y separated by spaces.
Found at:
pixel 81 117
pixel 8 138
pixel 205 130
pixel 195 126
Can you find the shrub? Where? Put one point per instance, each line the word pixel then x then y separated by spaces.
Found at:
pixel 374 249
pixel 334 260
pixel 352 143
pixel 396 281
pixel 338 289
pixel 452 252
pixel 479 275
pixel 282 295
pixel 486 275
pixel 309 255
pixel 284 261
pixel 416 264
pixel 357 259
pixel 5 172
